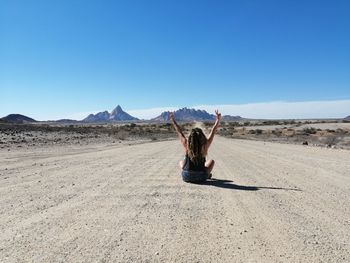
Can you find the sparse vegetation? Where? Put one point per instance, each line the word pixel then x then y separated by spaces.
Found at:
pixel 308 131
pixel 331 140
pixel 46 134
pixel 288 131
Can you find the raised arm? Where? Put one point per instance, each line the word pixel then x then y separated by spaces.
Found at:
pixel 178 130
pixel 213 130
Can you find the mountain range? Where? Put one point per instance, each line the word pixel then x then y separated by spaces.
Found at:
pixel 116 115
pixel 186 114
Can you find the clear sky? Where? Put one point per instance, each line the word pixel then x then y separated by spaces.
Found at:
pixel 67 58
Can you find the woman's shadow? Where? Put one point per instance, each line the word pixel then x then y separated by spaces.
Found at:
pixel 229 185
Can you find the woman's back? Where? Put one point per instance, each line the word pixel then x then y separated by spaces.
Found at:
pixel 189 165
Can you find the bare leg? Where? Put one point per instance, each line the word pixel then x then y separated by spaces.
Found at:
pixel 209 165
pixel 181 164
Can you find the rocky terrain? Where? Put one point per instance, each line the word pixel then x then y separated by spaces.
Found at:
pixel 325 134
pixel 41 134
pixel 334 134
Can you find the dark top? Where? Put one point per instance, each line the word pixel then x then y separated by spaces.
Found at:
pixel 191 166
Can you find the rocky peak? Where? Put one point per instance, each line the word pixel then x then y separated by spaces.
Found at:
pixel 117 110
pixel 116 115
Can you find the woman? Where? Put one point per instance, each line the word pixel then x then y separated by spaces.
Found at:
pixel 194 167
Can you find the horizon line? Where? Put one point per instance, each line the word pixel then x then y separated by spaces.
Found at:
pixel 329 109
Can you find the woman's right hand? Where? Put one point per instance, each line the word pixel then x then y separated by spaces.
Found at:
pixel 218 115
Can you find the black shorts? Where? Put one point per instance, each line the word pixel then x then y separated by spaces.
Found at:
pixel 194 176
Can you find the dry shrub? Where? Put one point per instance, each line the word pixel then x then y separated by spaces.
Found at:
pixel 277 132
pixel 341 132
pixel 288 132
pixel 258 131
pixel 271 123
pixel 121 135
pixel 208 124
pixel 225 132
pixel 331 140
pixel 309 130
pixel 234 124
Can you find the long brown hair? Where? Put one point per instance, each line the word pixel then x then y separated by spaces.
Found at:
pixel 196 143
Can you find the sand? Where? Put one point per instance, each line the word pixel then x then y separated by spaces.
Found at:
pixel 127 203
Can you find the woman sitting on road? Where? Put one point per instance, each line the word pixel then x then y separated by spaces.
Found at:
pixel 194 167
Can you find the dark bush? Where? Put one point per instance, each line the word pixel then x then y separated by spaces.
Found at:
pixel 258 131
pixel 271 123
pixel 309 130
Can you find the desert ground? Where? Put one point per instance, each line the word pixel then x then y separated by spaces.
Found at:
pixel 126 202
pixel 320 133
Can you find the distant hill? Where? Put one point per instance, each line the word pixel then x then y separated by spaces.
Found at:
pixel 66 121
pixel 231 118
pixel 18 118
pixel 347 118
pixel 116 115
pixel 186 114
pixel 163 117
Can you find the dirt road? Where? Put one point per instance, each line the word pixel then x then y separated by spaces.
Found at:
pixel 270 203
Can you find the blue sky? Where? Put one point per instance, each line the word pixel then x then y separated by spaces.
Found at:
pixel 68 58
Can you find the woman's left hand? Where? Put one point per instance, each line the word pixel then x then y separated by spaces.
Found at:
pixel 218 115
pixel 172 116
